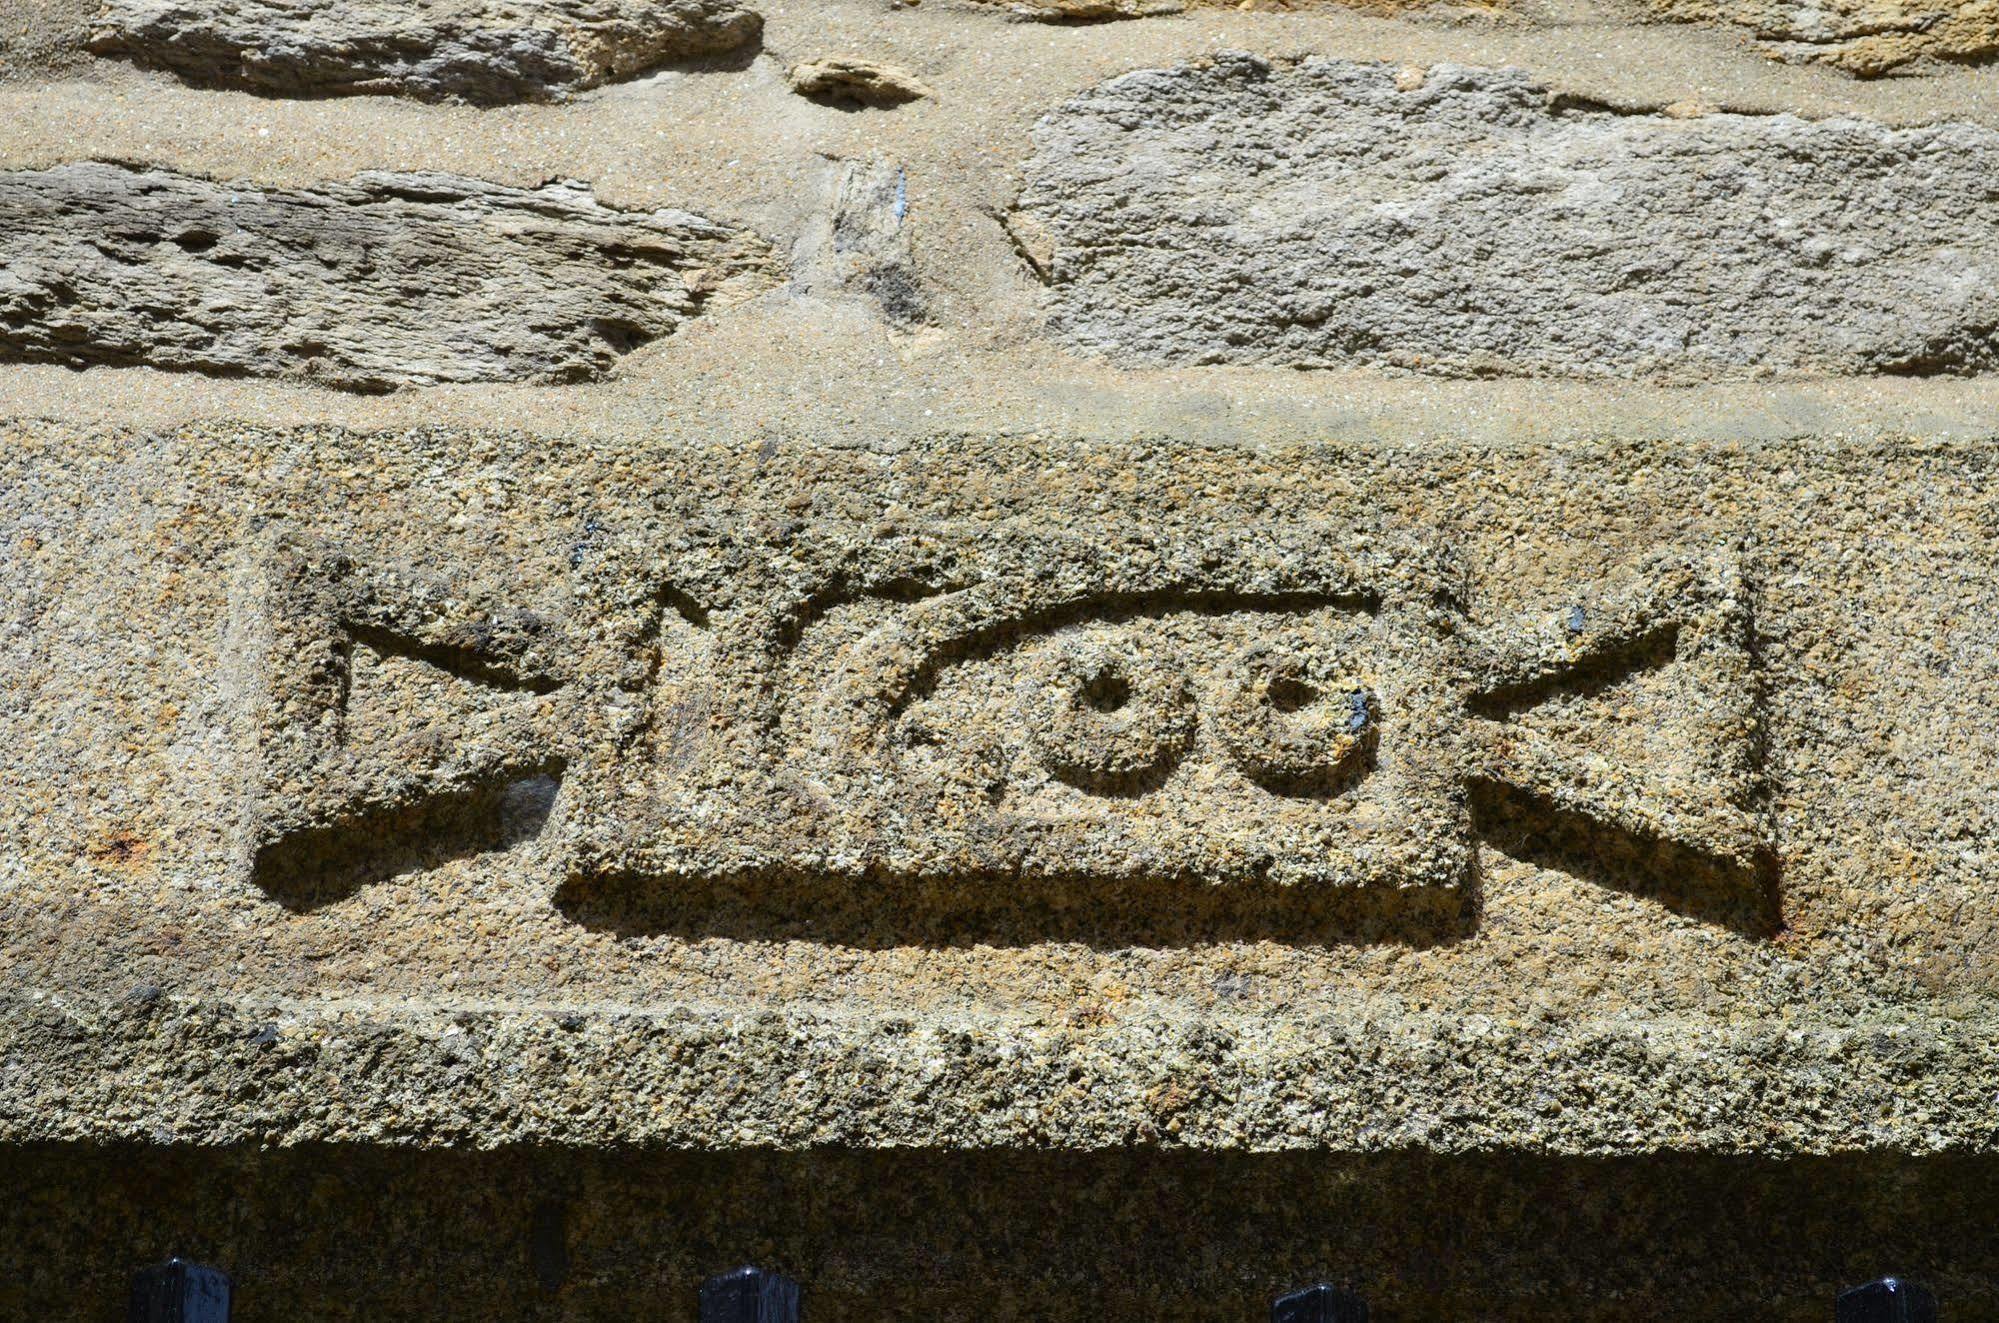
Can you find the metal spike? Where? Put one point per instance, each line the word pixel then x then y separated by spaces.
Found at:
pixel 749 1295
pixel 1889 1300
pixel 181 1292
pixel 1319 1304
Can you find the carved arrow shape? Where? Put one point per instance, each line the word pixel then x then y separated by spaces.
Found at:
pixel 1686 614
pixel 325 790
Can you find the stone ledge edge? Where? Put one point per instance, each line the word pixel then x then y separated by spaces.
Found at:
pixel 163 1070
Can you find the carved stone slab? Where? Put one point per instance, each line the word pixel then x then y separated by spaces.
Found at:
pixel 971 706
pixel 481 788
pixel 357 729
pixel 962 708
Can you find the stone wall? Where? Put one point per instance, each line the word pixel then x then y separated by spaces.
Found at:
pixel 1073 660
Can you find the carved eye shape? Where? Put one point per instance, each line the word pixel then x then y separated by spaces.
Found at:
pixel 1106 716
pixel 1294 724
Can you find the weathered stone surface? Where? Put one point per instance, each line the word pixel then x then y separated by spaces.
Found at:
pixel 1865 37
pixel 1464 222
pixel 45 37
pixel 483 51
pixel 447 788
pixel 845 80
pixel 384 281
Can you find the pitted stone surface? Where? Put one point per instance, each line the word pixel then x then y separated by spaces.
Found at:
pixel 958 705
pixel 473 50
pixel 1466 222
pixel 383 281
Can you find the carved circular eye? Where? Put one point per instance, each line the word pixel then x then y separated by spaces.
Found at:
pixel 1105 716
pixel 1295 725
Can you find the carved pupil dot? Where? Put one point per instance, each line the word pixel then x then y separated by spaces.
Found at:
pixel 1106 691
pixel 1290 695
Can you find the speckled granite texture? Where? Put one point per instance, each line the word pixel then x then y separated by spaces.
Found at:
pixel 554 809
pixel 1035 668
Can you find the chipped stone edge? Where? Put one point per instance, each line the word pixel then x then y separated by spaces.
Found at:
pixel 150 1067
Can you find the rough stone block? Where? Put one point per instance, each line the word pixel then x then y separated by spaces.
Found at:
pixel 848 81
pixel 1864 37
pixel 471 50
pixel 385 281
pixel 1465 222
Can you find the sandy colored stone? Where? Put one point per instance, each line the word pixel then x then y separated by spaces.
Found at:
pixel 848 80
pixel 1864 37
pixel 997 830
pixel 472 50
pixel 706 794
pixel 1322 214
pixel 384 281
pixel 44 36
